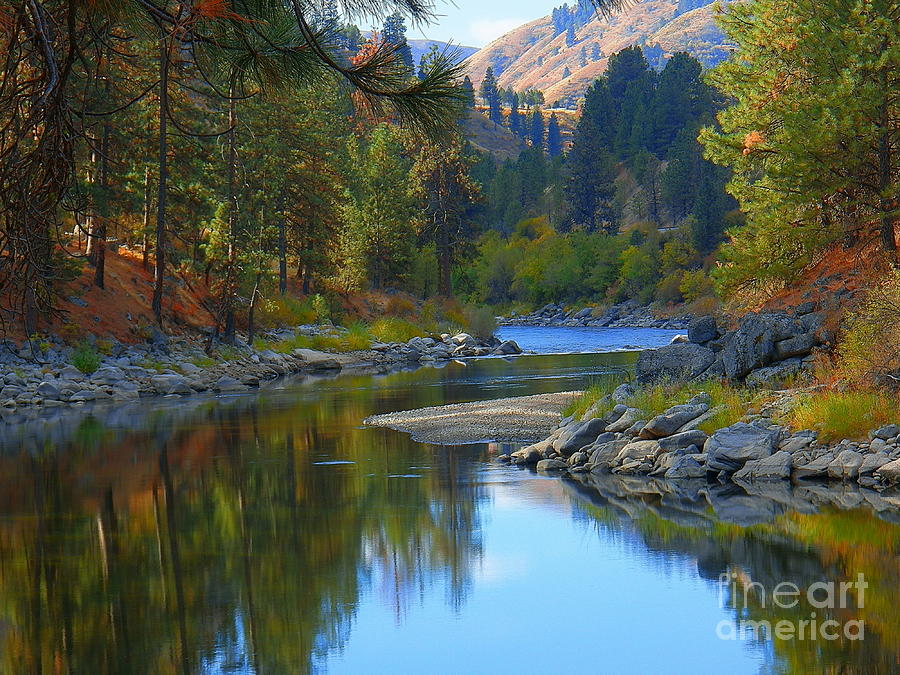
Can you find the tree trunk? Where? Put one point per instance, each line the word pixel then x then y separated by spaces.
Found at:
pixel 229 290
pixel 160 267
pixel 145 239
pixel 282 248
pixel 443 254
pixel 888 240
pixel 251 313
pixel 100 242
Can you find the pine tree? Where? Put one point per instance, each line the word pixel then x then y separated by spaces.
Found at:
pixel 468 91
pixel 582 59
pixel 536 128
pixel 554 137
pixel 566 73
pixel 491 96
pixel 812 135
pixel 394 33
pixel 515 117
pixel 571 38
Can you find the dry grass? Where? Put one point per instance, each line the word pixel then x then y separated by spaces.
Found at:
pixel 851 414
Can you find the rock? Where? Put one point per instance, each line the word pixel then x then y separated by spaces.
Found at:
pixel 578 459
pixel 685 467
pixel 799 345
pixel 775 374
pixel 805 308
pixel 226 384
pixel 703 329
pixel 752 345
pixel 817 468
pixel 886 432
pixel 679 340
pixel 551 465
pixel 674 363
pixel 603 456
pixel 532 454
pixel 509 347
pixel 71 373
pixel 797 443
pixel 672 420
pixel 693 424
pixel 846 465
pixel 623 392
pixel 640 451
pixel 871 463
pixel 109 375
pixel 48 391
pixel 890 472
pixel 578 435
pixel 170 384
pixel 773 467
pixel 629 417
pixel 730 448
pixel 683 440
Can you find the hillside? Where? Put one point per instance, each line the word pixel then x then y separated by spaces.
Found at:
pixel 422 47
pixel 536 55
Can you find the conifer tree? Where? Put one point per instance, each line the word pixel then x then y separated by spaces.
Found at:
pixel 554 137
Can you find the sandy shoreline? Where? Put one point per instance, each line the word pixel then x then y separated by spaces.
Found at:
pixel 519 419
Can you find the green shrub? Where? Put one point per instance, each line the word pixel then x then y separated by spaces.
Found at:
pixel 480 321
pixel 871 344
pixel 85 357
pixel 321 308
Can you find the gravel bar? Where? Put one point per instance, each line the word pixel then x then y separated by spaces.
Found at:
pixel 520 419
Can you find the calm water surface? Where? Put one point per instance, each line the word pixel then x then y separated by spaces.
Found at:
pixel 270 533
pixel 551 340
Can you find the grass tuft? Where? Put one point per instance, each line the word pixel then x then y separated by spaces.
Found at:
pixel 838 415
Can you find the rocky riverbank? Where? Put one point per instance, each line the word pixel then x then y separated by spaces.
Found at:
pixel 764 349
pixel 670 446
pixel 43 374
pixel 625 315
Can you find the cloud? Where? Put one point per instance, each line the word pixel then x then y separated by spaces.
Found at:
pixel 484 31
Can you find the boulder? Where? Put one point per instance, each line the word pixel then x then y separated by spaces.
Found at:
pixel 672 420
pixel 677 362
pixel 577 435
pixel 48 391
pixel 886 432
pixel 799 345
pixel 703 329
pixel 730 448
pixel 846 465
pixel 773 467
pixel 509 347
pixel 640 451
pixel 871 463
pixel 551 465
pixel 602 456
pixel 683 440
pixel 578 459
pixel 170 384
pixel 629 417
pixel 226 384
pixel 775 374
pixel 684 468
pixel 817 468
pixel 890 472
pixel 752 345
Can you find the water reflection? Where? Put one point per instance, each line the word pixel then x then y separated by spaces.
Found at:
pixel 271 534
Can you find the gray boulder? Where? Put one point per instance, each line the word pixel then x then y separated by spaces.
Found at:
pixel 577 435
pixel 48 391
pixel 752 345
pixel 603 456
pixel 683 440
pixel 799 345
pixel 817 468
pixel 773 467
pixel 703 329
pixel 730 448
pixel 170 384
pixel 551 465
pixel 677 362
pixel 871 463
pixel 226 384
pixel 684 468
pixel 508 348
pixel 887 431
pixel 641 451
pixel 890 472
pixel 672 420
pixel 775 374
pixel 629 417
pixel 846 465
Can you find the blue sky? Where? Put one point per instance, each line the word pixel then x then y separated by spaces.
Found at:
pixel 476 22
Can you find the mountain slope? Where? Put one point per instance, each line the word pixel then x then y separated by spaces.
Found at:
pixel 536 54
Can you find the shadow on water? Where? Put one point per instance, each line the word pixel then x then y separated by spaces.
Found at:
pixel 270 533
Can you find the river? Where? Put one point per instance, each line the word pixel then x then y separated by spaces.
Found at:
pixel 271 533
